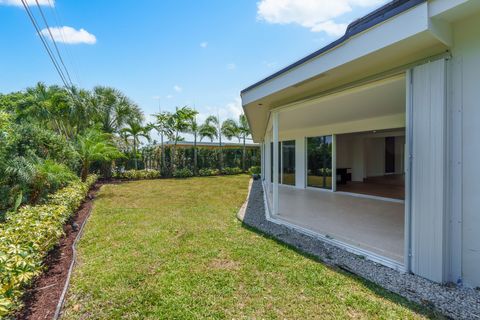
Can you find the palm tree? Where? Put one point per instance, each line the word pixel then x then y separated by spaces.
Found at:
pixel 230 129
pixel 135 130
pixel 244 130
pixel 194 129
pixel 207 130
pixel 95 145
pixel 163 128
pixel 114 109
pixel 215 122
pixel 179 122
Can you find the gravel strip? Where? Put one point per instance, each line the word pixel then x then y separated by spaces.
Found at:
pixel 452 301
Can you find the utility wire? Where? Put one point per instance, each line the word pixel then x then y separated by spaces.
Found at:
pixel 45 44
pixel 54 43
pixel 70 57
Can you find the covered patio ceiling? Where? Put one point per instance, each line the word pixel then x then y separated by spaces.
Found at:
pixel 381 98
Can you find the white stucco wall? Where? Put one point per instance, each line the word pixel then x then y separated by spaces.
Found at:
pixel 466 90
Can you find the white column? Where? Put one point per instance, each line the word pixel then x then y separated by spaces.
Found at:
pixel 268 155
pixel 262 160
pixel 334 163
pixel 300 170
pixel 275 163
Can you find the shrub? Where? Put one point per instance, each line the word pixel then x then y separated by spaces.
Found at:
pixel 208 172
pixel 230 171
pixel 138 174
pixel 182 173
pixel 255 170
pixel 28 235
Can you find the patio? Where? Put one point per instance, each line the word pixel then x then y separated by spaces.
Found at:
pixel 370 224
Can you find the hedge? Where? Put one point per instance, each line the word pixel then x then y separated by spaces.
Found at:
pixel 28 235
pixel 138 174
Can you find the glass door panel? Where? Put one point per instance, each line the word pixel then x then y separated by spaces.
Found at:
pixel 319 162
pixel 288 162
pixel 279 162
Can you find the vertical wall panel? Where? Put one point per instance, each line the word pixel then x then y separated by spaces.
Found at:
pixel 300 170
pixel 428 170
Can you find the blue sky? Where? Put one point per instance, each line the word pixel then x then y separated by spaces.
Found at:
pixel 172 52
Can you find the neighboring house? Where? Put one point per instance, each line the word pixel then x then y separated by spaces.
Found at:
pixel 372 143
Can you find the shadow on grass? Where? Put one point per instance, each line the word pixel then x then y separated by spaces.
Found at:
pixel 254 220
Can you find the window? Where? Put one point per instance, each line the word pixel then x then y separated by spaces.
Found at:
pixel 319 162
pixel 288 162
pixel 279 161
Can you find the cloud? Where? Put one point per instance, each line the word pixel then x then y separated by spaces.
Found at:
pixel 270 64
pixel 169 96
pixel 231 66
pixel 231 110
pixel 177 88
pixel 318 16
pixel 18 3
pixel 204 44
pixel 70 35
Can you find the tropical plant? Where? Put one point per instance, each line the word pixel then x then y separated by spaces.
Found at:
pixel 95 145
pixel 207 130
pixel 135 130
pixel 244 130
pixel 113 109
pixel 28 235
pixel 194 129
pixel 230 129
pixel 162 126
pixel 182 173
pixel 213 121
pixel 138 174
pixel 179 122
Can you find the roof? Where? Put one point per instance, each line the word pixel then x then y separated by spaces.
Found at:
pixel 213 144
pixel 381 14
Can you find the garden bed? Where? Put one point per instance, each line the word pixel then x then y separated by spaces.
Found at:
pixel 41 299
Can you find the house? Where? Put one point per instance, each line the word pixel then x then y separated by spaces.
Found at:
pixel 372 142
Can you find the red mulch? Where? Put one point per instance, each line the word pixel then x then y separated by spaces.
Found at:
pixel 41 300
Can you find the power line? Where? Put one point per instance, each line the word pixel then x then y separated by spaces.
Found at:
pixel 54 43
pixel 70 56
pixel 45 44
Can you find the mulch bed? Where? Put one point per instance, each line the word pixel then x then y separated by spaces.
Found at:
pixel 40 301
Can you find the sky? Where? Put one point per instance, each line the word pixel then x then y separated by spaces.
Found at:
pixel 169 53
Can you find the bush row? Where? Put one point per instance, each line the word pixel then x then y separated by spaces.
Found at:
pixel 28 235
pixel 179 173
pixel 138 174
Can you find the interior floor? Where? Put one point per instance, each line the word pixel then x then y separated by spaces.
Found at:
pixel 370 224
pixel 388 186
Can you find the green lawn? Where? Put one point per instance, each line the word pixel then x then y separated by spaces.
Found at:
pixel 173 249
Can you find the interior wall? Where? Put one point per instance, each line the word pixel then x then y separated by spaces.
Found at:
pixel 364 153
pixel 375 152
pixel 399 154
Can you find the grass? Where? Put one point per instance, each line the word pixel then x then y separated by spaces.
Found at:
pixel 173 249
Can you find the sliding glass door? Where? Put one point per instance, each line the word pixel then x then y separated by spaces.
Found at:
pixel 319 162
pixel 279 162
pixel 288 162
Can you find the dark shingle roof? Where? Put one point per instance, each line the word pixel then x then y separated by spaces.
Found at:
pixel 383 13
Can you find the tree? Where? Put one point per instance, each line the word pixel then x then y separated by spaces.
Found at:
pixel 178 123
pixel 113 109
pixel 163 128
pixel 207 130
pixel 230 129
pixel 244 130
pixel 194 129
pixel 215 122
pixel 95 145
pixel 135 130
